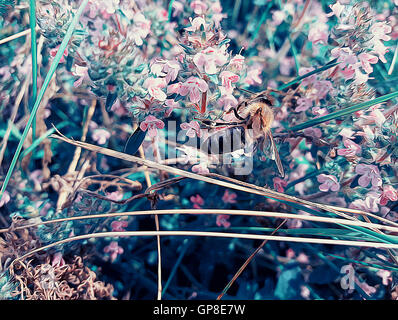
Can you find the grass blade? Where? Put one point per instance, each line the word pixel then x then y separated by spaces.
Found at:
pixel 329 65
pixel 33 38
pixel 47 80
pixel 344 112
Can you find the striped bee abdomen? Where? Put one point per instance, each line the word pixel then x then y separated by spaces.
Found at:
pixel 224 141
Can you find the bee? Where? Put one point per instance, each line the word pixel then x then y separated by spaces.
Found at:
pixel 253 128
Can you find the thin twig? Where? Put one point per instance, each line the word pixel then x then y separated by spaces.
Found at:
pixel 15 36
pixel 267 214
pixel 208 234
pixel 245 264
pixel 149 184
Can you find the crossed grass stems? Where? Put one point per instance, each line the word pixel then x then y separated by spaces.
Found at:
pixel 370 234
pixel 368 229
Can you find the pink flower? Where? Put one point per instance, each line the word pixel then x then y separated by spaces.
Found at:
pixel 318 33
pixel 313 132
pixel 278 16
pixel 200 168
pixel 141 28
pixel 196 24
pixel 5 199
pixel 58 260
pixel 385 275
pixel 322 88
pixel 227 101
pixel 279 184
pixel 210 58
pixel 369 204
pixel 174 88
pixel 171 68
pixel 178 8
pixel 82 73
pixel 369 174
pixel 229 197
pixel 193 86
pixel 360 77
pixel 380 49
pixel 114 250
pixel 389 193
pixel 193 129
pixel 337 9
pixel 351 149
pixel 197 201
pixel 101 136
pixel 286 65
pixel 328 182
pixel 227 79
pixel 253 76
pixel 116 195
pixel 366 59
pixel 119 225
pixel 37 177
pixel 151 124
pixel 119 109
pixel 155 86
pixel 346 133
pixel 309 80
pixel 199 7
pixel 345 56
pixel 380 30
pixel 222 220
pixel 171 105
pixel 237 62
pixel 303 104
pixel 369 290
pixel 54 51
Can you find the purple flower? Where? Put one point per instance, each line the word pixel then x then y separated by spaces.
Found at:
pixel 193 129
pixel 210 58
pixel 200 168
pixel 328 182
pixel 101 136
pixel 222 220
pixel 369 204
pixel 114 250
pixel 5 198
pixel 151 124
pixel 194 87
pixel 119 225
pixel 351 149
pixel 279 184
pixel 389 193
pixel 229 197
pixel 369 174
pixel 197 201
pixel 303 104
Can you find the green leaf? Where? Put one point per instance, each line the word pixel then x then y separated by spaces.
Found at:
pixel 46 82
pixel 344 112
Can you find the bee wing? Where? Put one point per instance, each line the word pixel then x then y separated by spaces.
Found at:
pixel 275 155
